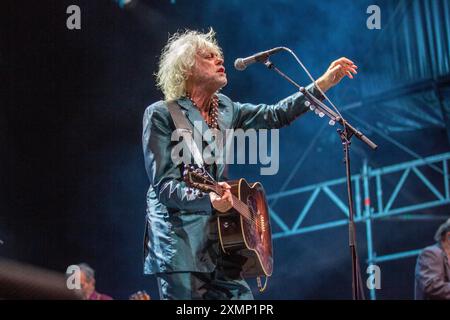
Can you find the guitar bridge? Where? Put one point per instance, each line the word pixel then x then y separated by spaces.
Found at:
pixel 262 223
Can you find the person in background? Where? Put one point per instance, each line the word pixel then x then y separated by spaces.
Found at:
pixel 432 276
pixel 87 282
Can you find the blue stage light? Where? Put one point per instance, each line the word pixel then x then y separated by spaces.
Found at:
pixel 123 3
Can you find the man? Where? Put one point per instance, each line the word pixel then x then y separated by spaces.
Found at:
pixel 432 268
pixel 87 282
pixel 181 244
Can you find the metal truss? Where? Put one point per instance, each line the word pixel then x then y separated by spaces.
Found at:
pixel 370 182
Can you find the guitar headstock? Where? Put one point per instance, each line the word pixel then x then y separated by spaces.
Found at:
pixel 198 178
pixel 140 295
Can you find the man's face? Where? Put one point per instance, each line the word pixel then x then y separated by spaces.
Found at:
pixel 208 71
pixel 87 285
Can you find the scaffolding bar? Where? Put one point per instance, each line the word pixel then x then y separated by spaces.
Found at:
pixel 368 214
pixel 306 209
pixel 396 256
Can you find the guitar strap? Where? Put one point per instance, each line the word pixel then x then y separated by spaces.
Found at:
pixel 187 131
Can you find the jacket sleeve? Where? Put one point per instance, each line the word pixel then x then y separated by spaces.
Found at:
pixel 164 175
pixel 263 116
pixel 431 276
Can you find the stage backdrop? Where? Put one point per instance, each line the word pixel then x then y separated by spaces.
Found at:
pixel 72 170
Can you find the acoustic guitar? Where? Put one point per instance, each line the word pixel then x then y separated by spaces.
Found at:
pixel 244 229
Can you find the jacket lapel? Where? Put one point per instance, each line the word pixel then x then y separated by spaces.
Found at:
pixel 199 125
pixel 194 116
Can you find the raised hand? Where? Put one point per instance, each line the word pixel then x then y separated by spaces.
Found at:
pixel 337 70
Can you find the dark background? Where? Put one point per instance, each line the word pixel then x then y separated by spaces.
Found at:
pixel 71 166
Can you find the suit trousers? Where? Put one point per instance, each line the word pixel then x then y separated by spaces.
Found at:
pixel 217 285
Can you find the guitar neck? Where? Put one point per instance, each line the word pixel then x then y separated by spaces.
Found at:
pixel 202 181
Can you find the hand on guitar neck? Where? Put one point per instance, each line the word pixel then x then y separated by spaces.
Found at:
pixel 222 203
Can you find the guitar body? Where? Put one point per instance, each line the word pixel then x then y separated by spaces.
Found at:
pixel 250 239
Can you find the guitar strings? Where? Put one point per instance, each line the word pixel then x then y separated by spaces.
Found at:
pixel 243 208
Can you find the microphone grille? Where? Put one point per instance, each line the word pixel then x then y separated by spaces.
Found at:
pixel 239 64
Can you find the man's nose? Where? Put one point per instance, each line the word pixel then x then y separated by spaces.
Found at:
pixel 219 60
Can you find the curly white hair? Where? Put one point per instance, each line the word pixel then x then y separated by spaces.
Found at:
pixel 178 57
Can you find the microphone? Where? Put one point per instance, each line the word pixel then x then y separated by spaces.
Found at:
pixel 242 63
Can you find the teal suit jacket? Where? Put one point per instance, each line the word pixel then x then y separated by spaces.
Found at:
pixel 181 231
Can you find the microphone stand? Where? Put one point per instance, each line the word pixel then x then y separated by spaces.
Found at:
pixel 345 135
